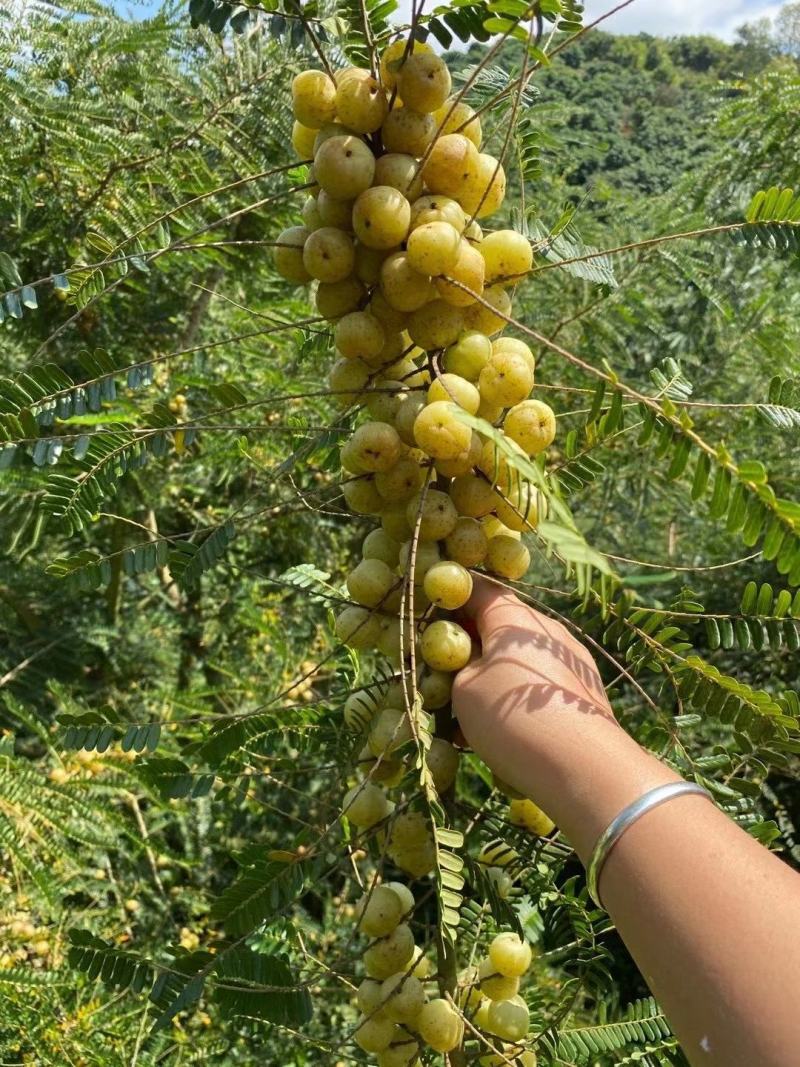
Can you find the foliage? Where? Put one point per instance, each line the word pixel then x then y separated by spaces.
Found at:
pixel 176 878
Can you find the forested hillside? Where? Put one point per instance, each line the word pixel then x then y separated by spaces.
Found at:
pixel 177 884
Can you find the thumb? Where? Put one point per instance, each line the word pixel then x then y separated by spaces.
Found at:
pixel 492 606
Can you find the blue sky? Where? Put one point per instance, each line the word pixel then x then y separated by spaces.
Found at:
pixel 662 17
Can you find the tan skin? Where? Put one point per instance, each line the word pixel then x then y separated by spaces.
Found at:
pixel 711 917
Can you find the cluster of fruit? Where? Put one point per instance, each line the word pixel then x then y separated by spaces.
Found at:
pixel 417 295
pixel 397 1015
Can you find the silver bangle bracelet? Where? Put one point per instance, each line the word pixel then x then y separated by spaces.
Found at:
pixel 627 817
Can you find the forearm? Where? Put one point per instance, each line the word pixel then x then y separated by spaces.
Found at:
pixel 711 918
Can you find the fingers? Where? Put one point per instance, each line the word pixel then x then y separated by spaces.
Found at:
pixel 492 606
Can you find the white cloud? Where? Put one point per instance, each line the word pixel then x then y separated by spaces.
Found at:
pixel 673 18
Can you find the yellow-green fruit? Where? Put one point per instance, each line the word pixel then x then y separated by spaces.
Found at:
pixel 401 481
pixel 467 543
pixel 402 1053
pixel 313 98
pixel 376 1033
pixel 366 804
pixel 358 335
pixel 393 56
pixel 442 760
pixel 497 853
pixel 410 829
pixel 369 262
pixel 335 299
pixel 377 445
pixel 494 985
pixel 379 912
pixel 433 247
pixel 509 1058
pixel 508 256
pixel 401 172
pixel 472 495
pixel 437 209
pixel 406 897
pixel 361 103
pixel 395 639
pixel 390 730
pixel 507 557
pixel 507 379
pixel 495 528
pixel 521 507
pixel 405 289
pixel 338 213
pixel 357 627
pixel 452 163
pixel 532 424
pixel 509 1019
pixel 378 545
pixel 407 131
pixel 386 771
pixel 454 116
pixel 369 582
pixel 288 255
pixel 464 462
pixel 495 465
pixel 359 709
pixel 406 416
pixel 513 344
pixel 439 432
pixel 433 514
pixel 468 355
pixel 510 955
pixel 436 325
pixel 330 129
pixel 463 283
pixel 328 254
pixel 394 521
pixel 416 861
pixel 469 994
pixel 381 217
pixel 362 497
pixel 436 688
pixel 404 997
pixel 489 320
pixel 456 389
pixel 445 646
pixel 448 585
pixel 303 140
pixel 344 167
pixel 422 965
pixel 368 996
pixel 310 213
pixel 440 1025
pixel 390 955
pixel 426 556
pixel 485 192
pixel 531 817
pixel 423 82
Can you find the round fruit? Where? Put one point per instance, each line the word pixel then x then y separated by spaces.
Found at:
pixel 335 299
pixel 530 816
pixel 464 461
pixel 401 172
pixel 436 688
pixel 434 512
pixel 426 556
pixel 439 432
pixel 357 627
pixel 436 325
pixel 468 355
pixel 381 217
pixel 313 98
pixel 448 585
pixel 446 646
pixel 328 254
pixel 508 256
pixel 338 213
pixel 433 247
pixel 401 481
pixel 423 82
pixel 509 1019
pixel 393 57
pixel 472 495
pixel 407 131
pixel 402 1053
pixel 288 255
pixel 485 192
pixel 359 335
pixel 303 140
pixel 404 997
pixel 454 116
pixel 507 557
pixel 405 289
pixel 369 997
pixel 515 345
pixel 369 582
pixel 494 985
pixel 442 760
pixel 359 709
pixel 390 954
pixel 406 896
pixel 394 521
pixel 390 729
pixel 361 104
pixel 506 379
pixel 467 543
pixel 379 912
pixel 376 1033
pixel 344 167
pixel 452 387
pixel 521 507
pixel 437 209
pixel 362 497
pixel 463 283
pixel 366 804
pixel 330 129
pixel 451 164
pixel 440 1025
pixel 532 424
pixel 510 956
pixel 310 213
pixel 482 318
pixel 377 445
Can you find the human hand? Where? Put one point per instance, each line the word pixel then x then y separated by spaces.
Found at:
pixel 533 706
